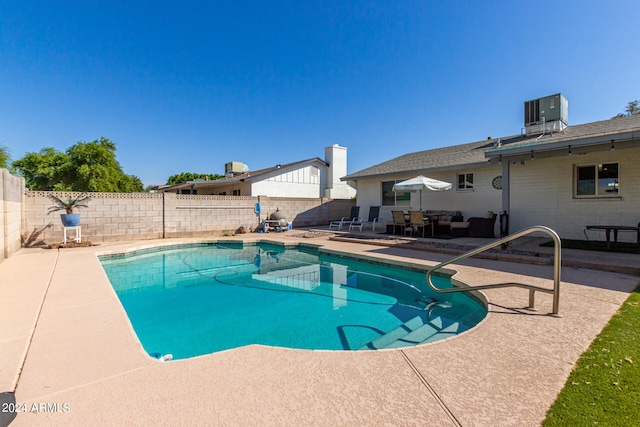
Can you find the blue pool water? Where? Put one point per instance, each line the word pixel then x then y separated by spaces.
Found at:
pixel 199 299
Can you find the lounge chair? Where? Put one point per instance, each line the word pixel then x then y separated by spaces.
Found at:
pixel 374 211
pixel 353 216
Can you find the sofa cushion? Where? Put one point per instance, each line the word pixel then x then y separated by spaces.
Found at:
pixel 459 229
pixel 459 225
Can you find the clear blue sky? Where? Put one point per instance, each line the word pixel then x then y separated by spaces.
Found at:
pixel 188 86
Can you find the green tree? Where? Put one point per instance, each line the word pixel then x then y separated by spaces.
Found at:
pixel 92 166
pixel 189 176
pixel 4 157
pixel 43 170
pixel 131 184
pixel 86 166
pixel 633 107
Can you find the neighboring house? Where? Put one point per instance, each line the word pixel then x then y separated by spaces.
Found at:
pixel 564 177
pixel 312 178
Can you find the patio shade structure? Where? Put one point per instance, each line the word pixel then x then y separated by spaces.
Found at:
pixel 420 183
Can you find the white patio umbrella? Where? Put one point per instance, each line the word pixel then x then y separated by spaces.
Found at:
pixel 420 183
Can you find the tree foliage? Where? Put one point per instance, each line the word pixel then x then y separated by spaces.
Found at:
pixel 4 157
pixel 85 166
pixel 633 107
pixel 189 176
pixel 42 170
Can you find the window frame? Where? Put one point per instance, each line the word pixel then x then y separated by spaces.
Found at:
pixel 465 176
pixel 597 169
pixel 395 195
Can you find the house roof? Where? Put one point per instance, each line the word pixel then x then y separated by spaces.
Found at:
pixel 602 132
pixel 436 159
pixel 476 153
pixel 245 177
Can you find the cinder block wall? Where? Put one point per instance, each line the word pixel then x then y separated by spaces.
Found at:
pixel 307 212
pixel 120 216
pixel 110 217
pixel 200 216
pixel 11 198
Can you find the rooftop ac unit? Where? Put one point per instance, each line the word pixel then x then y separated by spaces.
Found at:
pixel 547 109
pixel 548 114
pixel 234 168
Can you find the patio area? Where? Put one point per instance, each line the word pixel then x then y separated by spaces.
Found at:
pixel 69 350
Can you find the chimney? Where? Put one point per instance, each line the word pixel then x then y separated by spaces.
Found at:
pixel 336 157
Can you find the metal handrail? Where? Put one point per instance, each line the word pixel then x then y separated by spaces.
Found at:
pixel 532 288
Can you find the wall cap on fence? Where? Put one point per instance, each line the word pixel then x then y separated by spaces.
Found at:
pixel 94 195
pixel 211 197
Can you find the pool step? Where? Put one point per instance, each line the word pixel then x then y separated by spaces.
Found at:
pixel 395 334
pixel 453 329
pixel 413 332
pixel 421 334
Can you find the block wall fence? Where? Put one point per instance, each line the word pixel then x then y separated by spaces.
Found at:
pixel 11 207
pixel 113 217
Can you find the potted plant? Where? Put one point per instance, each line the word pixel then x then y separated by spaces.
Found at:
pixel 69 219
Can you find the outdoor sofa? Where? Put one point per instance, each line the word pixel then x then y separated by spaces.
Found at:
pixel 475 226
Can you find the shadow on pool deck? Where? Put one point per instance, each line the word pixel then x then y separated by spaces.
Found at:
pixel 83 353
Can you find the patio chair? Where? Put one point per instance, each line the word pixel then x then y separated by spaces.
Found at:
pixel 399 221
pixel 416 222
pixel 374 211
pixel 353 216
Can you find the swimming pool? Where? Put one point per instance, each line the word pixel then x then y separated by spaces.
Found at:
pixel 198 299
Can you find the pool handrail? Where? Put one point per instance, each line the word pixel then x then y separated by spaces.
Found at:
pixel 532 288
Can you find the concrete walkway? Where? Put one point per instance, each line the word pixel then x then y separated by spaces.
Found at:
pixel 85 366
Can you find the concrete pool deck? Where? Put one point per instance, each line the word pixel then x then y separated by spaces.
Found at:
pixel 68 351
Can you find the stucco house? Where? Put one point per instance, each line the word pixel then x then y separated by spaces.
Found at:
pixel 311 178
pixel 564 177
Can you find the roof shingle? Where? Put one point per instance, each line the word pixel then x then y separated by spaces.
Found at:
pixel 475 152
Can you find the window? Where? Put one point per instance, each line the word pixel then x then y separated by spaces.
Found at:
pixel 597 180
pixel 236 192
pixel 465 181
pixel 394 198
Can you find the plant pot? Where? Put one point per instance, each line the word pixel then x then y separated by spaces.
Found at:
pixel 70 220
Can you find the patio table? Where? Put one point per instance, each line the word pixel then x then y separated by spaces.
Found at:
pixel 615 228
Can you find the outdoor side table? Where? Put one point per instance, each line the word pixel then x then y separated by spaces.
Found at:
pixel 76 239
pixel 615 228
